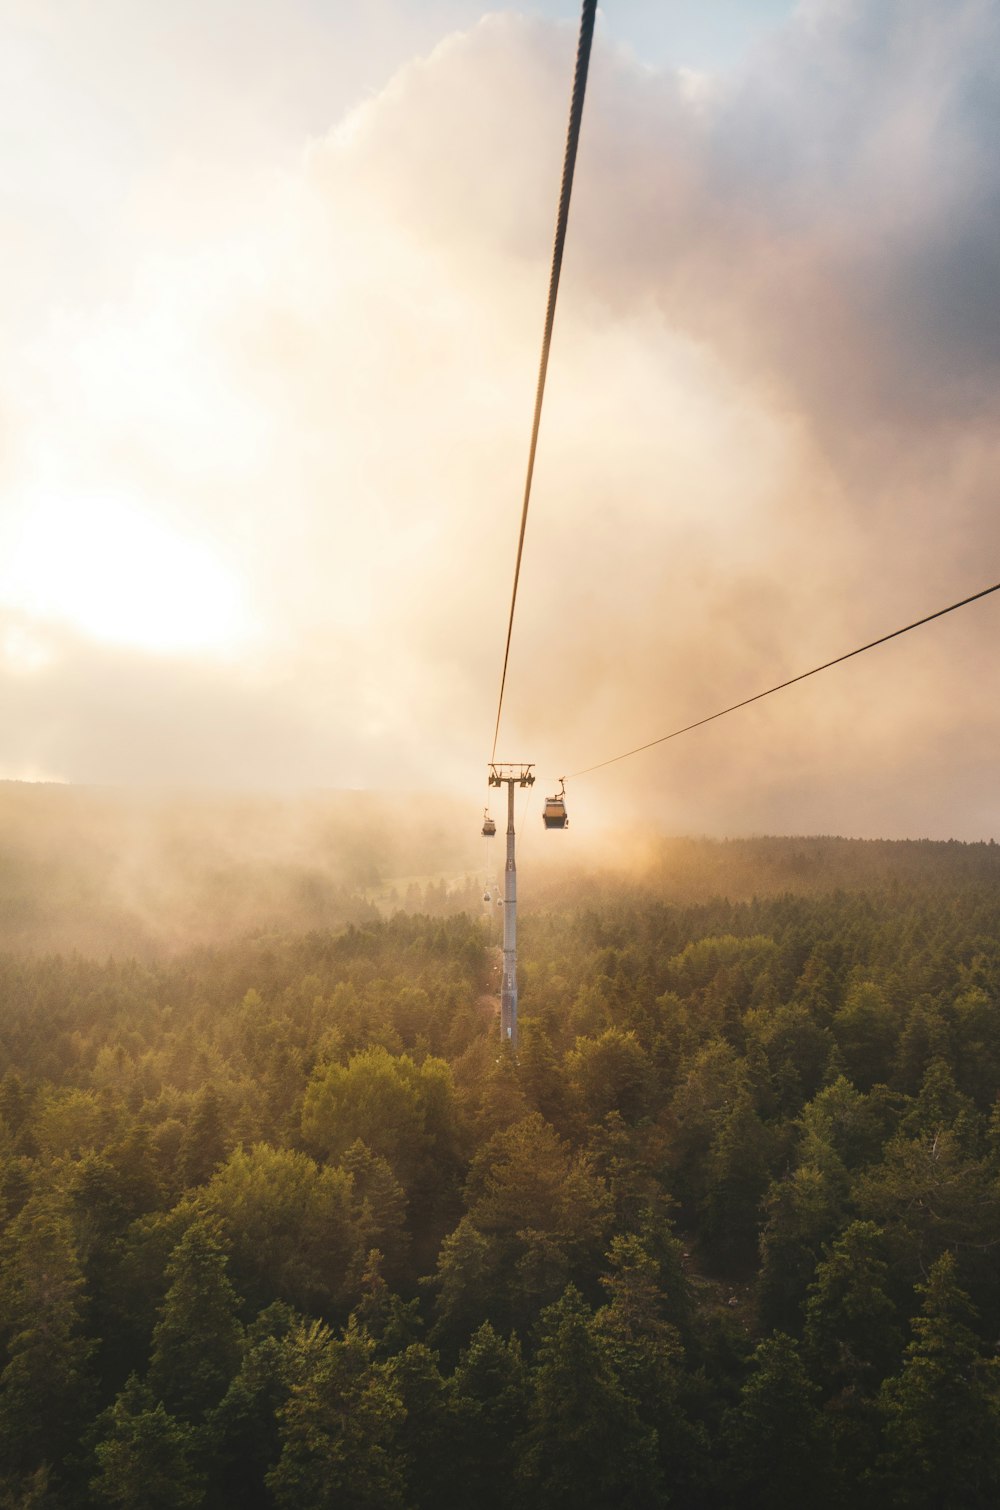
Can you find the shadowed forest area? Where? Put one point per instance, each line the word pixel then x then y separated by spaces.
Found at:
pixel 284 1226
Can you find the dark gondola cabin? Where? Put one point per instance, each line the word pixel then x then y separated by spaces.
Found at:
pixel 489 827
pixel 554 811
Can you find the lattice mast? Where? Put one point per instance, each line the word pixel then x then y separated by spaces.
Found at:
pixel 510 776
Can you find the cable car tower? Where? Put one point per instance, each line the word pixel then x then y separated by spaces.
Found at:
pixel 510 776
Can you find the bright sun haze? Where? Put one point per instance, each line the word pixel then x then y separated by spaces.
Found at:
pixel 269 354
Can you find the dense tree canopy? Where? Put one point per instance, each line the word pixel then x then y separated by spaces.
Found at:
pixel 283 1225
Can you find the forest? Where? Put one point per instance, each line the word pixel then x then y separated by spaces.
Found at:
pixel 285 1225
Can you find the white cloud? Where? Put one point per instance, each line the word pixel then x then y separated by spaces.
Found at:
pixel 767 437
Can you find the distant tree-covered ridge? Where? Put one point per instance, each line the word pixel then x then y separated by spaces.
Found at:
pixel 146 875
pixel 283 1225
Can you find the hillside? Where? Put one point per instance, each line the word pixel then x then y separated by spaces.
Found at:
pixel 284 1227
pixel 129 872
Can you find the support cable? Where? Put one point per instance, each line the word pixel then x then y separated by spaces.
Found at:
pixel 790 683
pixel 569 163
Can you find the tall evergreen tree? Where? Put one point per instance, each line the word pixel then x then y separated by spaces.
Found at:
pixel 196 1341
pixel 586 1445
pixel 146 1459
pixel 203 1146
pixel 737 1177
pixel 338 1427
pixel 852 1339
pixel 647 1355
pixel 46 1387
pixel 489 1405
pixel 425 1433
pixel 775 1441
pixel 242 1431
pixel 942 1411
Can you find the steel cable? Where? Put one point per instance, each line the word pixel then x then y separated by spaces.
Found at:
pixel 789 683
pixel 562 219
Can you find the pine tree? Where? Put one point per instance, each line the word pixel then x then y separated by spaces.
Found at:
pixel 643 1347
pixel 203 1146
pixel 737 1177
pixel 46 1387
pixel 586 1445
pixel 942 1411
pixel 646 1353
pixel 196 1341
pixel 425 1435
pixel 242 1432
pixel 489 1403
pixel 852 1339
pixel 379 1203
pixel 392 1323
pixel 802 1211
pixel 338 1427
pixel 146 1459
pixel 774 1440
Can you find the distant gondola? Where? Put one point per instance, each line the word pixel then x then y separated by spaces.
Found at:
pixel 489 827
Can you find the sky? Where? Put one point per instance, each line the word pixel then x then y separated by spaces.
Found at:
pixel 273 286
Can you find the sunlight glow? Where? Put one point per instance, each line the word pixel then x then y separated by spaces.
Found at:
pixel 32 774
pixel 22 653
pixel 120 575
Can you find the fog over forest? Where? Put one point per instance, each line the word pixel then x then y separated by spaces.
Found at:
pixel 285 1225
pixel 105 870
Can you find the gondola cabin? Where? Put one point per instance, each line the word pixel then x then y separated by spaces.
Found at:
pixel 554 812
pixel 489 827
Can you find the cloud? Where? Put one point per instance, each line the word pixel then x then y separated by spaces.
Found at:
pixel 836 229
pixel 768 436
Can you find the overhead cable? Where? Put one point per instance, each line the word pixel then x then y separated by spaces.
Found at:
pixel 790 682
pixel 562 218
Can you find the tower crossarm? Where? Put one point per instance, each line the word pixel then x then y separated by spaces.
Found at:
pixel 518 772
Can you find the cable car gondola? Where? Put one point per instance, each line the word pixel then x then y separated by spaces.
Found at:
pixel 554 811
pixel 489 827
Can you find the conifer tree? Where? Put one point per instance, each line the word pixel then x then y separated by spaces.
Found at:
pixel 489 1405
pixel 196 1341
pixel 424 1437
pixel 586 1445
pixel 737 1177
pixel 46 1386
pixel 146 1459
pixel 852 1339
pixel 392 1323
pixel 647 1355
pixel 379 1202
pixel 942 1411
pixel 802 1211
pixel 242 1431
pixel 338 1427
pixel 774 1440
pixel 643 1347
pixel 203 1146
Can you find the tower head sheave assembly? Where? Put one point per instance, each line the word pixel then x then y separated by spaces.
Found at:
pixel 517 771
